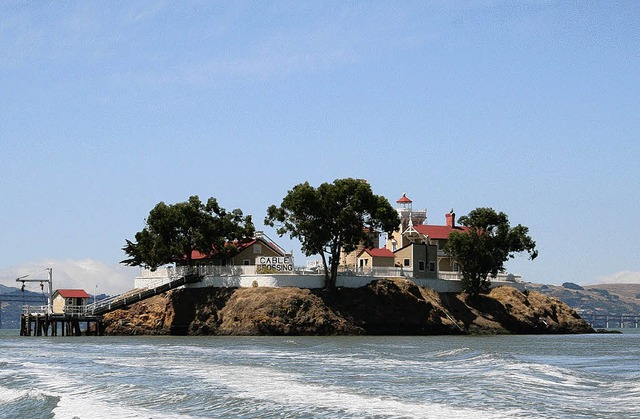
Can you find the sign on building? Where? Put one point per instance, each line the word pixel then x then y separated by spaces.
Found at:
pixel 274 265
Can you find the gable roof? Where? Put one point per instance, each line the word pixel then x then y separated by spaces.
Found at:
pixel 438 232
pixel 71 293
pixel 196 255
pixel 378 252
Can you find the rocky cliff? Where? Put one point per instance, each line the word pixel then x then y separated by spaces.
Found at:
pixel 390 307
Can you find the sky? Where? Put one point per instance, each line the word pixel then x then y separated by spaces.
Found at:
pixel 107 108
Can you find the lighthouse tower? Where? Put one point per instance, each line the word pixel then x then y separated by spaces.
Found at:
pixel 408 217
pixel 404 206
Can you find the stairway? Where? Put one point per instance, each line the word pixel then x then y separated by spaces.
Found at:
pixel 139 294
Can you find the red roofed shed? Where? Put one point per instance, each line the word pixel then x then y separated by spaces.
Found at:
pixel 73 293
pixel 69 301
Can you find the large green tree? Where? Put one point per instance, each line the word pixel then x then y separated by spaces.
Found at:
pixel 173 232
pixel 334 217
pixel 482 249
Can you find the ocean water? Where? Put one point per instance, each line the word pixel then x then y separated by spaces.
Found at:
pixel 471 377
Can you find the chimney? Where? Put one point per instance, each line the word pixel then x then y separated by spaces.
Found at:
pixel 451 219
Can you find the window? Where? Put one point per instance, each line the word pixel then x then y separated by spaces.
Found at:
pixel 432 266
pixel 421 265
pixel 456 267
pixel 257 248
pixel 246 262
pixel 407 262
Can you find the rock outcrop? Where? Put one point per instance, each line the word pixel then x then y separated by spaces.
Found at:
pixel 384 307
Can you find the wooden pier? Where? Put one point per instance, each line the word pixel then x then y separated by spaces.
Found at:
pixel 45 321
pixel 39 324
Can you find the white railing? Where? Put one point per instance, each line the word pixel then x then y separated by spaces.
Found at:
pixel 203 270
pixel 35 310
pixel 450 275
pixel 91 308
pixel 74 310
pixel 213 270
pixel 162 272
pixel 502 277
pixel 382 272
pixel 227 270
pixel 166 274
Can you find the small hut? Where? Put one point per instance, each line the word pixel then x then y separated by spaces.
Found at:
pixel 70 301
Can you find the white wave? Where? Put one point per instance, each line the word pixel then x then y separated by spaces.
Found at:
pixel 78 396
pixel 543 376
pixel 264 384
pixel 101 407
pixel 450 353
pixel 10 394
pixel 362 360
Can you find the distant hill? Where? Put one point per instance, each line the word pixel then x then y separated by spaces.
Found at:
pixel 604 298
pixel 11 305
pixel 14 299
pixel 4 289
pixel 625 291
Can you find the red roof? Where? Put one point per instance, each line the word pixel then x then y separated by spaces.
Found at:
pixel 437 232
pixel 73 293
pixel 379 253
pixel 196 255
pixel 404 199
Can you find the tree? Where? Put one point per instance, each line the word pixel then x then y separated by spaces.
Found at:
pixel 173 232
pixel 482 249
pixel 335 216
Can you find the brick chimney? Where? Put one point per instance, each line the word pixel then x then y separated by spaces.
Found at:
pixel 451 219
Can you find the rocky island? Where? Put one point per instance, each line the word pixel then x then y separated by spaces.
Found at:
pixel 342 223
pixel 383 307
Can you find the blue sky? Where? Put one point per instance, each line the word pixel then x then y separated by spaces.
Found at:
pixel 528 107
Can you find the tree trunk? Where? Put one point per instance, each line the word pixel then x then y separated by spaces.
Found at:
pixel 331 279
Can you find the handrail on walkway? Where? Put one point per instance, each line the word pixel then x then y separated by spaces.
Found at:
pixel 178 277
